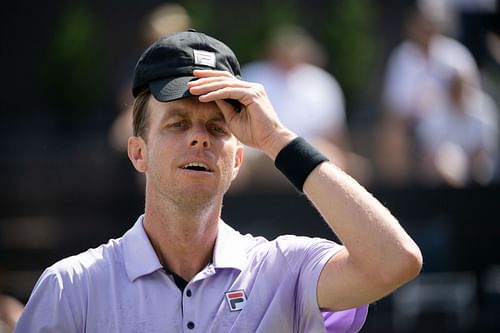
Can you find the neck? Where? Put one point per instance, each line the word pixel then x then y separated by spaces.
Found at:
pixel 183 237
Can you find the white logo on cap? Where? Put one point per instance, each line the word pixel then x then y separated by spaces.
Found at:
pixel 204 58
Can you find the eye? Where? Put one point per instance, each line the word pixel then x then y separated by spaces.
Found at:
pixel 177 124
pixel 218 129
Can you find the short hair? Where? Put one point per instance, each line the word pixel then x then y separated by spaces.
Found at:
pixel 140 114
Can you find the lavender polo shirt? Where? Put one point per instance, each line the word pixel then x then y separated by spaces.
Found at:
pixel 253 285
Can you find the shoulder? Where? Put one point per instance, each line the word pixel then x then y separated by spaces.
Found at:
pixel 297 249
pixel 287 243
pixel 259 71
pixel 404 51
pixel 316 75
pixel 314 71
pixel 60 299
pixel 292 243
pixel 75 269
pixel 255 67
pixel 449 44
pixel 455 55
pixel 403 60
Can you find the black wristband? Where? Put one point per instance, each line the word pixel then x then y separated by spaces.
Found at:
pixel 297 160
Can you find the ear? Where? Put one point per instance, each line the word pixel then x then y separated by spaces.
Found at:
pixel 137 153
pixel 238 159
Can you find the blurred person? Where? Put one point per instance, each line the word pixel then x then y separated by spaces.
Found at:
pixel 459 143
pixel 162 20
pixel 306 97
pixel 10 307
pixel 10 311
pixel 478 29
pixel 180 267
pixel 416 79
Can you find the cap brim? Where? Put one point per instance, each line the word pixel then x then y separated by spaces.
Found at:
pixel 171 89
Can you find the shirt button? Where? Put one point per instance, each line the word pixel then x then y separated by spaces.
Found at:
pixel 188 293
pixel 190 325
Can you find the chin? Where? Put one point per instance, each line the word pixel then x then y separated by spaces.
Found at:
pixel 200 194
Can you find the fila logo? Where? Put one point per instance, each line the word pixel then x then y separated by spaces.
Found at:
pixel 236 299
pixel 204 58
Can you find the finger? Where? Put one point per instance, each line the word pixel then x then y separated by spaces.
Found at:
pixel 213 85
pixel 199 82
pixel 225 93
pixel 201 73
pixel 229 80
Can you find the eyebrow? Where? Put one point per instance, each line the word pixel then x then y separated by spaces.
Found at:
pixel 181 112
pixel 219 117
pixel 173 113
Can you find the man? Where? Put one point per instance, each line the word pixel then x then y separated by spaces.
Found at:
pixel 416 80
pixel 181 268
pixel 307 99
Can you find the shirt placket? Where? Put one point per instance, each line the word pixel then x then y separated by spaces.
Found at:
pixel 192 306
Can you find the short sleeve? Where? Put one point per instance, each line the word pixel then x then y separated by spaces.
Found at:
pixel 306 258
pixel 345 321
pixel 54 306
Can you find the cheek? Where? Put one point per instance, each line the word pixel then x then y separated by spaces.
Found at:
pixel 158 159
pixel 230 163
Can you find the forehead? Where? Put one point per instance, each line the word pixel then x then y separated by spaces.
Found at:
pixel 187 108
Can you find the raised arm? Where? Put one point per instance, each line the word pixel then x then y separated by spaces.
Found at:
pixel 379 256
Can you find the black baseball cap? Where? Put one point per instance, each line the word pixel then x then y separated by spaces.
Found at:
pixel 167 65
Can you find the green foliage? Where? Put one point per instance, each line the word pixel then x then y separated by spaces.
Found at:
pixel 74 62
pixel 350 40
pixel 345 28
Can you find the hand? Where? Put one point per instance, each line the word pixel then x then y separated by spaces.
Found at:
pixel 257 125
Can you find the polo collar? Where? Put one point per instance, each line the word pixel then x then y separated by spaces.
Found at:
pixel 140 257
pixel 230 248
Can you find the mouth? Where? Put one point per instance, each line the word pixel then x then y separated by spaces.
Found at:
pixel 197 166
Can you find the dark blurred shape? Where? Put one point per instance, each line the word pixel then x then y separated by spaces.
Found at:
pixel 74 63
pixel 450 294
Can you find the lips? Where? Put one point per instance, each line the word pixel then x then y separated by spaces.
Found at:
pixel 197 166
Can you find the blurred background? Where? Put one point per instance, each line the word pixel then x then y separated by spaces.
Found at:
pixel 403 95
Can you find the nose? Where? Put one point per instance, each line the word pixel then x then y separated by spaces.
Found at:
pixel 200 137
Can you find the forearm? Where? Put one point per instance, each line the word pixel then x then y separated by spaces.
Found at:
pixel 368 230
pixel 374 239
pixel 361 222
